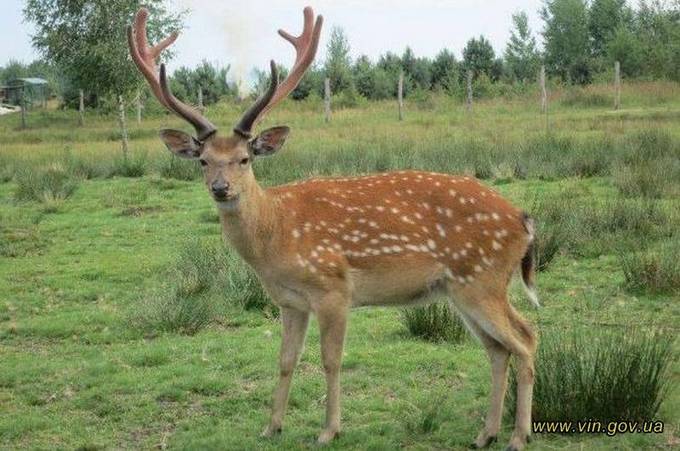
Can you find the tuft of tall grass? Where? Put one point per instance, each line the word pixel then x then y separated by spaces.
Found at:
pixel 650 144
pixel 204 280
pixel 602 375
pixel 651 179
pixel 20 236
pixel 606 225
pixel 427 417
pixel 129 167
pixel 649 164
pixel 435 322
pixel 86 168
pixel 245 289
pixel 49 184
pixel 7 169
pixel 185 304
pixel 170 311
pixel 655 271
pixel 172 167
pixel 636 216
pixel 554 227
pixel 586 97
pixel 574 223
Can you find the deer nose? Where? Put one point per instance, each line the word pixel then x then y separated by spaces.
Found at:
pixel 219 188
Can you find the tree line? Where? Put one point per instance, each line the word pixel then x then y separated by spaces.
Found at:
pixel 85 48
pixel 581 41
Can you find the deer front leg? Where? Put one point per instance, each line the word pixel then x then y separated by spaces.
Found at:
pixel 294 324
pixel 332 316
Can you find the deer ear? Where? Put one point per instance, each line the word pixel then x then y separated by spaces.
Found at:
pixel 181 144
pixel 269 141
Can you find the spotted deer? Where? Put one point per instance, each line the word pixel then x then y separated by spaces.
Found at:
pixel 326 245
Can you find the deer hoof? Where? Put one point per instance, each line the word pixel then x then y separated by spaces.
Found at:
pixel 270 431
pixel 483 442
pixel 327 436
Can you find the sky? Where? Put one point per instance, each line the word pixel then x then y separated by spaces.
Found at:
pixel 243 33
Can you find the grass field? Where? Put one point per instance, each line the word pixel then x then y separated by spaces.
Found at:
pixel 89 242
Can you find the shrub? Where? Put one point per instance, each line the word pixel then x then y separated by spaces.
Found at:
pixel 172 167
pixel 653 271
pixel 603 376
pixel 434 322
pixel 48 184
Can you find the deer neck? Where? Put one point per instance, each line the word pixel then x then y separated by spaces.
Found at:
pixel 250 225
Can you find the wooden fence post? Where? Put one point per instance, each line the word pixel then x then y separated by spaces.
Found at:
pixel 617 85
pixel 123 127
pixel 468 103
pixel 200 100
pixel 544 92
pixel 400 95
pixel 81 108
pixel 327 98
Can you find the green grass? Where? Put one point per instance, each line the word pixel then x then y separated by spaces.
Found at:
pixel 125 324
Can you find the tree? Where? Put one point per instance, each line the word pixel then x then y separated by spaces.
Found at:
pixel 605 17
pixel 211 78
pixel 263 79
pixel 478 56
pixel 312 82
pixel 521 56
pixel 445 71
pixel 567 49
pixel 657 28
pixel 338 63
pixel 86 40
pixel 389 66
pixel 624 47
pixel 417 71
pixel 364 76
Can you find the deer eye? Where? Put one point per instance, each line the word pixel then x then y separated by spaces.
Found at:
pixel 244 161
pixel 203 163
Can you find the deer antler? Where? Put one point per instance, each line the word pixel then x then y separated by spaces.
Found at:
pixel 306 46
pixel 144 57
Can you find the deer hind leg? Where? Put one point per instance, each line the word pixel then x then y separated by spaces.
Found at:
pixel 499 357
pixel 294 324
pixel 332 316
pixel 504 332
